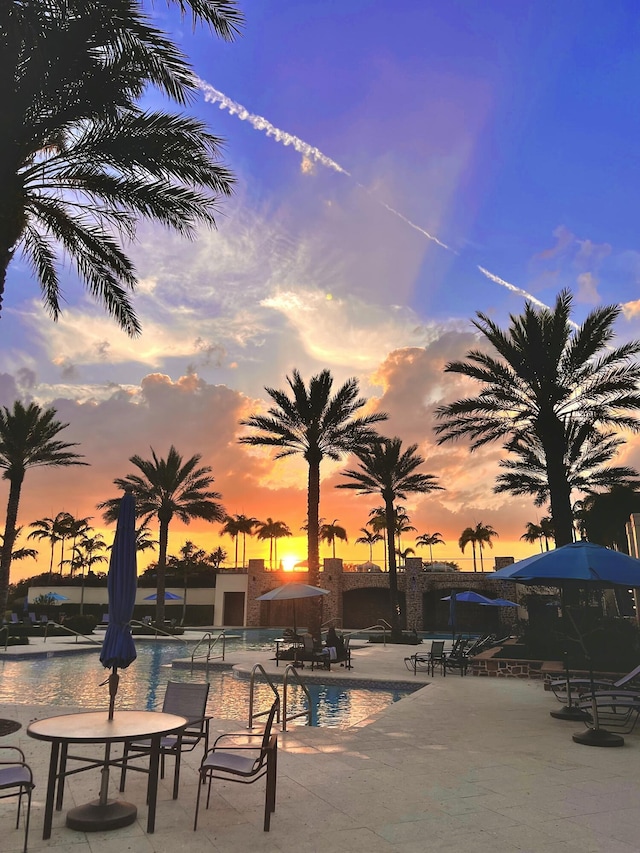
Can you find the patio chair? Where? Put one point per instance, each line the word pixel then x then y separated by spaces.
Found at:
pixel 582 685
pixel 244 763
pixel 308 652
pixel 428 660
pixel 187 700
pixel 615 709
pixel 16 778
pixel 458 658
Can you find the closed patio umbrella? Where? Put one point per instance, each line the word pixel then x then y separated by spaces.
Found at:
pixel 118 648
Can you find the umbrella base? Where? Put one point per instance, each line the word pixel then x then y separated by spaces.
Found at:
pixel 101 817
pixel 569 712
pixel 598 737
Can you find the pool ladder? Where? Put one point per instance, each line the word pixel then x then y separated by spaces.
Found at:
pixel 290 670
pixel 211 644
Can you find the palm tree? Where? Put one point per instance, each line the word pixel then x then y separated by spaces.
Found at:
pixel 167 487
pixel 606 516
pixel 81 161
pixel 272 530
pixel 21 553
pixel 429 540
pixel 467 536
pixel 548 530
pixel 404 554
pixel 401 526
pixel 369 537
pixel 484 534
pixel 245 525
pixel 547 381
pixel 46 528
pixel 316 425
pixel 378 522
pixel 27 440
pixel 330 532
pixel 217 558
pixel 387 470
pixel 144 540
pixel 232 528
pixel 533 534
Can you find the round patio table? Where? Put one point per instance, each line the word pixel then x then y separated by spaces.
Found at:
pixel 95 727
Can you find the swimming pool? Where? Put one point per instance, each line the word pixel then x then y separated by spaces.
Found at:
pixel 76 681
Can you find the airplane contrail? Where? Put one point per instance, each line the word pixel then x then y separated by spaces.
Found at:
pixel 214 96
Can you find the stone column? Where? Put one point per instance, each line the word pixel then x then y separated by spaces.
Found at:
pixel 413 593
pixel 331 579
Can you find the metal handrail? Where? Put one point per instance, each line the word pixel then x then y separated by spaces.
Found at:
pixel 258 667
pixel 290 669
pixel 210 645
pixel 334 619
pixel 159 631
pixel 383 626
pixel 76 634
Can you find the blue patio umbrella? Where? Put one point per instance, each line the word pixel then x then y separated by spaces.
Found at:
pixel 578 563
pixel 55 596
pixel 168 596
pixel 118 648
pixel 503 602
pixel 469 596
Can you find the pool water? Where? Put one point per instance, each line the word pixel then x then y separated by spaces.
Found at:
pixel 78 681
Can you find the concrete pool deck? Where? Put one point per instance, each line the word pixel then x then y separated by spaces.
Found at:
pixel 465 764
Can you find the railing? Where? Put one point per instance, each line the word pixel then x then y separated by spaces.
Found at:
pixel 291 670
pixel 211 643
pixel 259 668
pixel 383 626
pixel 336 621
pixel 157 631
pixel 76 634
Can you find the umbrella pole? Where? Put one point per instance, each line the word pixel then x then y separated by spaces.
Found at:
pixel 114 681
pixel 570 711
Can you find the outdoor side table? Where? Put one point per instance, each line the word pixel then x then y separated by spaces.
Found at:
pixel 94 727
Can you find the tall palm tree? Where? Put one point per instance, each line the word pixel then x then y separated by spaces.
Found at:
pixel 369 537
pixel 272 530
pixel 548 380
pixel 467 536
pixel 429 540
pixel 387 470
pixel 484 534
pixel 403 554
pixel 533 534
pixel 20 553
pixel 81 161
pixel 232 528
pixel 28 439
pixel 606 516
pixel 166 488
pixel 330 532
pixel 402 525
pixel 548 530
pixel 317 425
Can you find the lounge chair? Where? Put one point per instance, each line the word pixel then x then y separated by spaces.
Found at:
pixel 428 660
pixel 245 763
pixel 16 778
pixel 187 700
pixel 582 685
pixel 615 709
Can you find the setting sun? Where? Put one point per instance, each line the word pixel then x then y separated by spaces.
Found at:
pixel 289 562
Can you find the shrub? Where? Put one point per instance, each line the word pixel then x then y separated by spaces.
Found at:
pixel 81 624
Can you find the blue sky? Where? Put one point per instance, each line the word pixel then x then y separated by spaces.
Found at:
pixel 509 131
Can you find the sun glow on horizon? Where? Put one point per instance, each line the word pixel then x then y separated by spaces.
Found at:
pixel 289 562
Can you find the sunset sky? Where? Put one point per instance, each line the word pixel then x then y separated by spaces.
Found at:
pixel 467 154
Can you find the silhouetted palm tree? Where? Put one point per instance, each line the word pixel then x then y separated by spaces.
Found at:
pixel 245 526
pixel 533 534
pixel 20 553
pixel 548 381
pixel 607 514
pixel 468 536
pixel 369 537
pixel 81 160
pixel 272 530
pixel 387 470
pixel 404 554
pixel 317 425
pixel 330 532
pixel 27 440
pixel 232 528
pixel 378 523
pixel 484 534
pixel 429 540
pixel 164 489
pixel 47 528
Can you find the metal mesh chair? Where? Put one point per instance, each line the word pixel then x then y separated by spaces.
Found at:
pixel 187 700
pixel 245 763
pixel 16 778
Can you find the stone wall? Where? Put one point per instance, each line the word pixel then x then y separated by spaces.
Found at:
pixel 485 664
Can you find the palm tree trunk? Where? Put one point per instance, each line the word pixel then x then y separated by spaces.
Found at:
pixel 396 630
pixel 473 548
pixel 236 537
pixel 163 541
pixel 431 554
pixel 9 537
pixel 559 489
pixel 313 545
pixel 244 549
pixel 481 557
